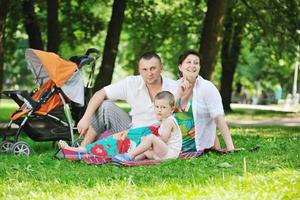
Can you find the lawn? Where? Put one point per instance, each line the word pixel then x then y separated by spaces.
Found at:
pixel 272 172
pixel 6 108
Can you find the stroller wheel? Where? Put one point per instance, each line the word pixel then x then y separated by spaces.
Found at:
pixel 21 148
pixel 5 146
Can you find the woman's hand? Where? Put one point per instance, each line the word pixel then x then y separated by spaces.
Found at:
pixel 183 87
pixel 83 126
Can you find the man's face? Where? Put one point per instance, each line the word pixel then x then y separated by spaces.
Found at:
pixel 150 70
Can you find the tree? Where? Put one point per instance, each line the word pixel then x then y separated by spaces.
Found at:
pixel 211 36
pixel 104 77
pixel 171 27
pixel 3 12
pixel 53 26
pixel 231 47
pixel 81 24
pixel 269 44
pixel 31 25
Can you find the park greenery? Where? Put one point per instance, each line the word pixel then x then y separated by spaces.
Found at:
pixel 240 41
pixel 248 42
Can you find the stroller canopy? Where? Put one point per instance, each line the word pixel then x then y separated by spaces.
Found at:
pixel 47 65
pixel 65 74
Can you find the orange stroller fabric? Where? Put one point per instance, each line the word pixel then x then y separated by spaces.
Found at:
pixel 58 69
pixel 52 103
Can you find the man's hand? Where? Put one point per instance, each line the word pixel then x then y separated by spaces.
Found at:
pixel 83 126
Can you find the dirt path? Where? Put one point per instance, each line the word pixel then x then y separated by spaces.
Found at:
pixel 293 122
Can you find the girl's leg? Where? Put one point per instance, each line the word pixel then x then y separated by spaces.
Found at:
pixel 146 155
pixel 63 145
pixel 141 157
pixel 158 146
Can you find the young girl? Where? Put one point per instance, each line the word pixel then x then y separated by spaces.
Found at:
pixel 168 143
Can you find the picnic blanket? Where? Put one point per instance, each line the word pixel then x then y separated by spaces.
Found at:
pixel 109 144
pixel 187 155
pixel 98 160
pixel 93 159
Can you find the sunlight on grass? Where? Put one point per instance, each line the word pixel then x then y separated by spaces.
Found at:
pixel 7 107
pixel 8 103
pixel 282 183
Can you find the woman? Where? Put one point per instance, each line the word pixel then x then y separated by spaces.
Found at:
pixel 200 108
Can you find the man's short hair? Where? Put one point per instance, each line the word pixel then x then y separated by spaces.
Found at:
pixel 166 95
pixel 150 54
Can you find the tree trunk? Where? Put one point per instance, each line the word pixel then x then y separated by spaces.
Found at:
pixel 4 5
pixel 53 26
pixel 104 77
pixel 231 47
pixel 211 36
pixel 31 25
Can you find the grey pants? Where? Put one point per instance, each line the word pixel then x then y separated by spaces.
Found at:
pixel 110 117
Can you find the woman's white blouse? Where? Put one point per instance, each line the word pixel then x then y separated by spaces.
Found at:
pixel 206 105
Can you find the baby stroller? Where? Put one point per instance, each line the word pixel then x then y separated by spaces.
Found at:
pixel 47 114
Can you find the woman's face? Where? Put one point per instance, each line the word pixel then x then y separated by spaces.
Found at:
pixel 190 67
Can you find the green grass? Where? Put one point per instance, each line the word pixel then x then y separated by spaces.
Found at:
pixel 7 107
pixel 272 172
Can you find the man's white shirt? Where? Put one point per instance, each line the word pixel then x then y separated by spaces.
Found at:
pixel 133 90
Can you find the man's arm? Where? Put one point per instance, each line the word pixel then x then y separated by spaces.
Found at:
pixel 93 105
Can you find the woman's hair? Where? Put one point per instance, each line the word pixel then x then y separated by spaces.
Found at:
pixel 185 54
pixel 167 96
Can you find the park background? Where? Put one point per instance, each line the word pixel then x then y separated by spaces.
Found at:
pixel 248 49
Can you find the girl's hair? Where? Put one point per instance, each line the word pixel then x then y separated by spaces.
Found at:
pixel 167 96
pixel 185 54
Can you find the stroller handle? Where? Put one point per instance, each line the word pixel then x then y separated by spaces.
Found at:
pixel 85 60
pixel 93 50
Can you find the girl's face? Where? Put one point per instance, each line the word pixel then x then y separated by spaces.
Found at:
pixel 190 67
pixel 163 109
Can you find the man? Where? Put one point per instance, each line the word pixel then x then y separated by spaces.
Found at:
pixel 137 91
